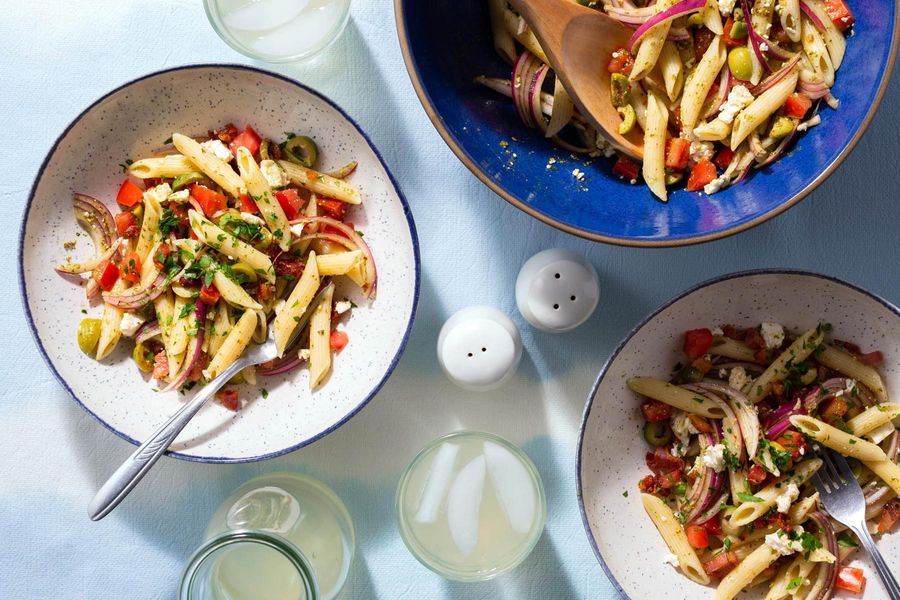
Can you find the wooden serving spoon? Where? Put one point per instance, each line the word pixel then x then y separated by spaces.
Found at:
pixel 579 41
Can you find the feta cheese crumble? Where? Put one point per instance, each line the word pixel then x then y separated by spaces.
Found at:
pixel 682 426
pixel 717 330
pixel 180 196
pixel 342 306
pixel 784 500
pixel 671 559
pixel 715 185
pixel 738 98
pixel 158 194
pixel 738 378
pixel 726 7
pixel 782 544
pixel 714 457
pixel 303 354
pixel 273 173
pixel 130 324
pixel 773 335
pixel 218 149
pixel 701 151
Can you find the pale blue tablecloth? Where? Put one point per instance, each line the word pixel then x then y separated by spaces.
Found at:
pixel 57 57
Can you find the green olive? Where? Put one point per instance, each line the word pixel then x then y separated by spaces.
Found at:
pixel 237 379
pixel 301 150
pixel 658 433
pixel 738 30
pixel 138 212
pixel 619 90
pixel 245 270
pixel 187 179
pixel 740 63
pixel 264 149
pixel 628 118
pixel 88 335
pixel 695 20
pixel 143 358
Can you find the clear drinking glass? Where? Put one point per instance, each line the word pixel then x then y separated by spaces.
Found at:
pixel 280 536
pixel 278 31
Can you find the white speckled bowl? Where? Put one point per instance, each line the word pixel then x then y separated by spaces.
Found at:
pixel 611 447
pixel 127 123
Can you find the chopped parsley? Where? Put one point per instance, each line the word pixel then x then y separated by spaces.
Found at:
pixel 625 494
pixel 727 543
pixel 748 497
pixel 681 517
pixel 168 141
pixel 128 162
pixel 186 310
pixel 168 222
pixel 846 540
pixel 265 393
pixel 795 583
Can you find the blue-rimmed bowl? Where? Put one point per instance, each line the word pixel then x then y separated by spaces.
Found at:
pixel 128 123
pixel 446 44
pixel 610 459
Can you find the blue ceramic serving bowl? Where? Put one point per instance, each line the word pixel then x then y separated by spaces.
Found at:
pixel 447 44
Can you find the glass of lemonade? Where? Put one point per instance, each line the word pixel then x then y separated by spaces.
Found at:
pixel 471 506
pixel 278 31
pixel 280 536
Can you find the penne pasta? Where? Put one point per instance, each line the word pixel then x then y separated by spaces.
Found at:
pixel 221 325
pixel 762 108
pixel 320 183
pixel 802 347
pixel 700 82
pixel 729 348
pixel 233 293
pixel 214 167
pixel 873 418
pixel 888 471
pixel 338 263
pixel 296 304
pixel 817 52
pixel 504 43
pixel 712 17
pixel 834 39
pixel 651 45
pixel 161 166
pixel 221 241
pixel 742 575
pixel 233 345
pixel 675 396
pixel 654 168
pixel 840 441
pixel 675 538
pixel 671 69
pixel 516 27
pixel 790 19
pixel 752 509
pixel 109 326
pixel 845 363
pixel 261 192
pixel 164 305
pixel 320 339
pixel 149 234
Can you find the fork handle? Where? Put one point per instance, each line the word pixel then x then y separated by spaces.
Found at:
pixel 127 476
pixel 890 582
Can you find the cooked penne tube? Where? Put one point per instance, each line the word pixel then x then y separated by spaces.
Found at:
pixel 796 570
pixel 846 364
pixel 752 509
pixel 802 347
pixel 165 316
pixel 149 235
pixel 700 82
pixel 515 26
pixel 873 417
pixel 673 534
pixel 888 471
pixel 712 18
pixel 109 326
pixel 161 166
pixel 233 293
pixel 320 339
pixel 748 569
pixel 214 167
pixel 671 69
pixel 320 183
pixel 817 52
pixel 790 19
pixel 261 192
pixel 338 263
pixel 762 108
pixel 651 45
pixel 504 42
pixel 834 39
pixel 654 169
pixel 673 395
pixel 178 333
pixel 296 304
pixel 221 325
pixel 840 441
pixel 729 348
pixel 221 241
pixel 233 345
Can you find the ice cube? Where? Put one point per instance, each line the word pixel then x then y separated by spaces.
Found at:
pixel 513 486
pixel 259 15
pixel 305 31
pixel 436 485
pixel 464 505
pixel 267 508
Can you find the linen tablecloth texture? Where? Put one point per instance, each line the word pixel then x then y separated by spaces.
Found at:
pixel 58 57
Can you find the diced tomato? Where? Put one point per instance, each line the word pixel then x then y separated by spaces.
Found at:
pixel 160 365
pixel 678 153
pixel 131 267
pixel 703 37
pixel 656 411
pixel 126 224
pixel 201 363
pixel 210 201
pixel 248 205
pixel 697 342
pixel 703 365
pixel 209 295
pixel 162 253
pixel 702 173
pixel 675 121
pixel 333 208
pixel 225 134
pixel 701 424
pixel 797 105
pixel 661 461
pixel 626 168
pixel 713 526
pixel 839 13
pixel 729 41
pixel 756 475
pixel 621 61
pixel 792 441
pixel 129 194
pixel 697 536
pixel 834 408
pixel 872 359
pixel 290 202
pixel 339 339
pixel 265 291
pixel 720 564
pixel 648 485
pixel 731 331
pixel 779 521
pixel 286 264
pixel 722 160
pixel 889 516
pixel 248 138
pixel 851 579
pixel 228 399
pixel 106 274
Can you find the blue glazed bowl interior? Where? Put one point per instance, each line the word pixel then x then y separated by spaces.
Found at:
pixel 449 44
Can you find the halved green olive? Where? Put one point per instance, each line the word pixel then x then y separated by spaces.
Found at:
pixel 301 150
pixel 264 149
pixel 88 335
pixel 658 433
pixel 245 270
pixel 237 379
pixel 628 118
pixel 187 179
pixel 143 358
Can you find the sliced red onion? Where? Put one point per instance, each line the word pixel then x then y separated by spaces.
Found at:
pixel 777 76
pixel 96 218
pixel 371 272
pixel 523 72
pixel 91 289
pixel 344 171
pixel 755 38
pixel 744 411
pixel 279 367
pixel 711 486
pixel 714 509
pixel 90 264
pixel 812 16
pixel 725 81
pixel 147 331
pixel 779 150
pixel 830 544
pixel 534 97
pixel 733 437
pixel 814 90
pixel 744 168
pixel 673 12
pixel 196 350
pixel 138 297
pixel 328 237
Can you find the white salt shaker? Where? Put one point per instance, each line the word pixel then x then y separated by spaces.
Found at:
pixel 479 348
pixel 557 290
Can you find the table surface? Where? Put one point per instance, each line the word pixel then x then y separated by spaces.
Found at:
pixel 58 57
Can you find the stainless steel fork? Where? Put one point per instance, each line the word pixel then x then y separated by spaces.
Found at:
pixel 843 499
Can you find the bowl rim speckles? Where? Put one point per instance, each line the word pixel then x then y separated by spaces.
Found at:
pixel 592 402
pixel 522 203
pixel 393 190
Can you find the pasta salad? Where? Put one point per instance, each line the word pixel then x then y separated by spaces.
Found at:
pixel 217 238
pixel 731 437
pixel 716 87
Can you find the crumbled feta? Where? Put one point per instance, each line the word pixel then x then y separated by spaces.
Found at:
pixel 158 194
pixel 218 149
pixel 715 185
pixel 738 98
pixel 604 147
pixel 773 335
pixel 714 457
pixel 784 500
pixel 179 196
pixel 763 47
pixel 678 450
pixel 273 173
pixel 738 378
pixel 252 219
pixel 297 230
pixel 701 151
pixel 671 559
pixel 342 306
pixel 130 323
pixel 303 354
pixel 726 7
pixel 782 544
pixel 682 426
pixel 717 330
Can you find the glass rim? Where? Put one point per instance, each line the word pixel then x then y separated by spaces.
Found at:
pixel 242 536
pixel 213 16
pixel 433 562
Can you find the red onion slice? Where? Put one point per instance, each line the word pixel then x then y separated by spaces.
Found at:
pixel 812 16
pixel 281 367
pixel 779 150
pixel 744 411
pixel 96 218
pixel 355 238
pixel 134 298
pixel 830 544
pixel 725 81
pixel 777 76
pixel 673 12
pixel 755 38
pixel 147 331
